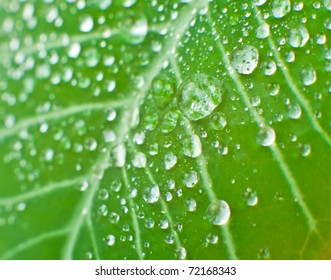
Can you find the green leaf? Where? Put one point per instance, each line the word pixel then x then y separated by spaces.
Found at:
pixel 171 130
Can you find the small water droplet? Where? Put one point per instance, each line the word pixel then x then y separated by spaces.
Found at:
pixel 163 90
pixel 169 122
pixel 103 194
pixel 191 146
pixel 169 160
pixel 191 205
pixel 133 26
pixel 245 59
pixel 86 24
pixel 151 194
pixel 266 136
pixel 308 75
pixel 263 31
pixel 269 67
pixel 294 111
pixel 139 160
pixel 217 121
pixel 273 88
pixel 118 155
pixel 280 8
pixel 110 240
pixel 218 212
pixel 180 253
pixel 190 179
pixel 250 197
pixel 199 95
pixel 305 150
pixel 298 37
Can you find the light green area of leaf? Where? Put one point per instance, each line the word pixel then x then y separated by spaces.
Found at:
pixel 123 124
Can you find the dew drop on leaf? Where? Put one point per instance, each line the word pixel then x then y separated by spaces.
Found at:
pixel 245 59
pixel 110 240
pixel 180 253
pixel 191 205
pixel 151 194
pixel 266 136
pixel 199 95
pixel 273 88
pixel 308 75
pixel 251 198
pixel 86 24
pixel 139 160
pixel 190 179
pixel 294 111
pixel 191 146
pixel 118 155
pixel 280 8
pixel 263 31
pixel 217 121
pixel 163 90
pixel 169 160
pixel 298 36
pixel 169 122
pixel 218 212
pixel 133 26
pixel 269 67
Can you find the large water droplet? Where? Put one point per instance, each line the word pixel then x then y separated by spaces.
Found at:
pixel 298 37
pixel 245 59
pixel 266 136
pixel 280 8
pixel 218 212
pixel 199 95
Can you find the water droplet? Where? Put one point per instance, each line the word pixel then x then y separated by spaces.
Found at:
pixel 327 4
pixel 199 95
pixel 280 8
pixel 217 121
pixel 255 101
pixel 269 67
pixel 263 31
pixel 294 111
pixel 273 88
pixel 266 136
pixel 74 50
pixel 308 75
pixel 169 122
pixel 86 24
pixel 218 212
pixel 103 194
pixel 133 26
pixel 164 223
pixel 118 155
pixel 190 179
pixel 139 160
pixel 250 197
pixel 298 37
pixel 163 90
pixel 245 59
pixel 180 253
pixel 305 150
pixel 169 160
pixel 110 240
pixel 103 210
pixel 116 185
pixel 191 205
pixel 191 146
pixel 114 217
pixel 264 254
pixel 151 194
